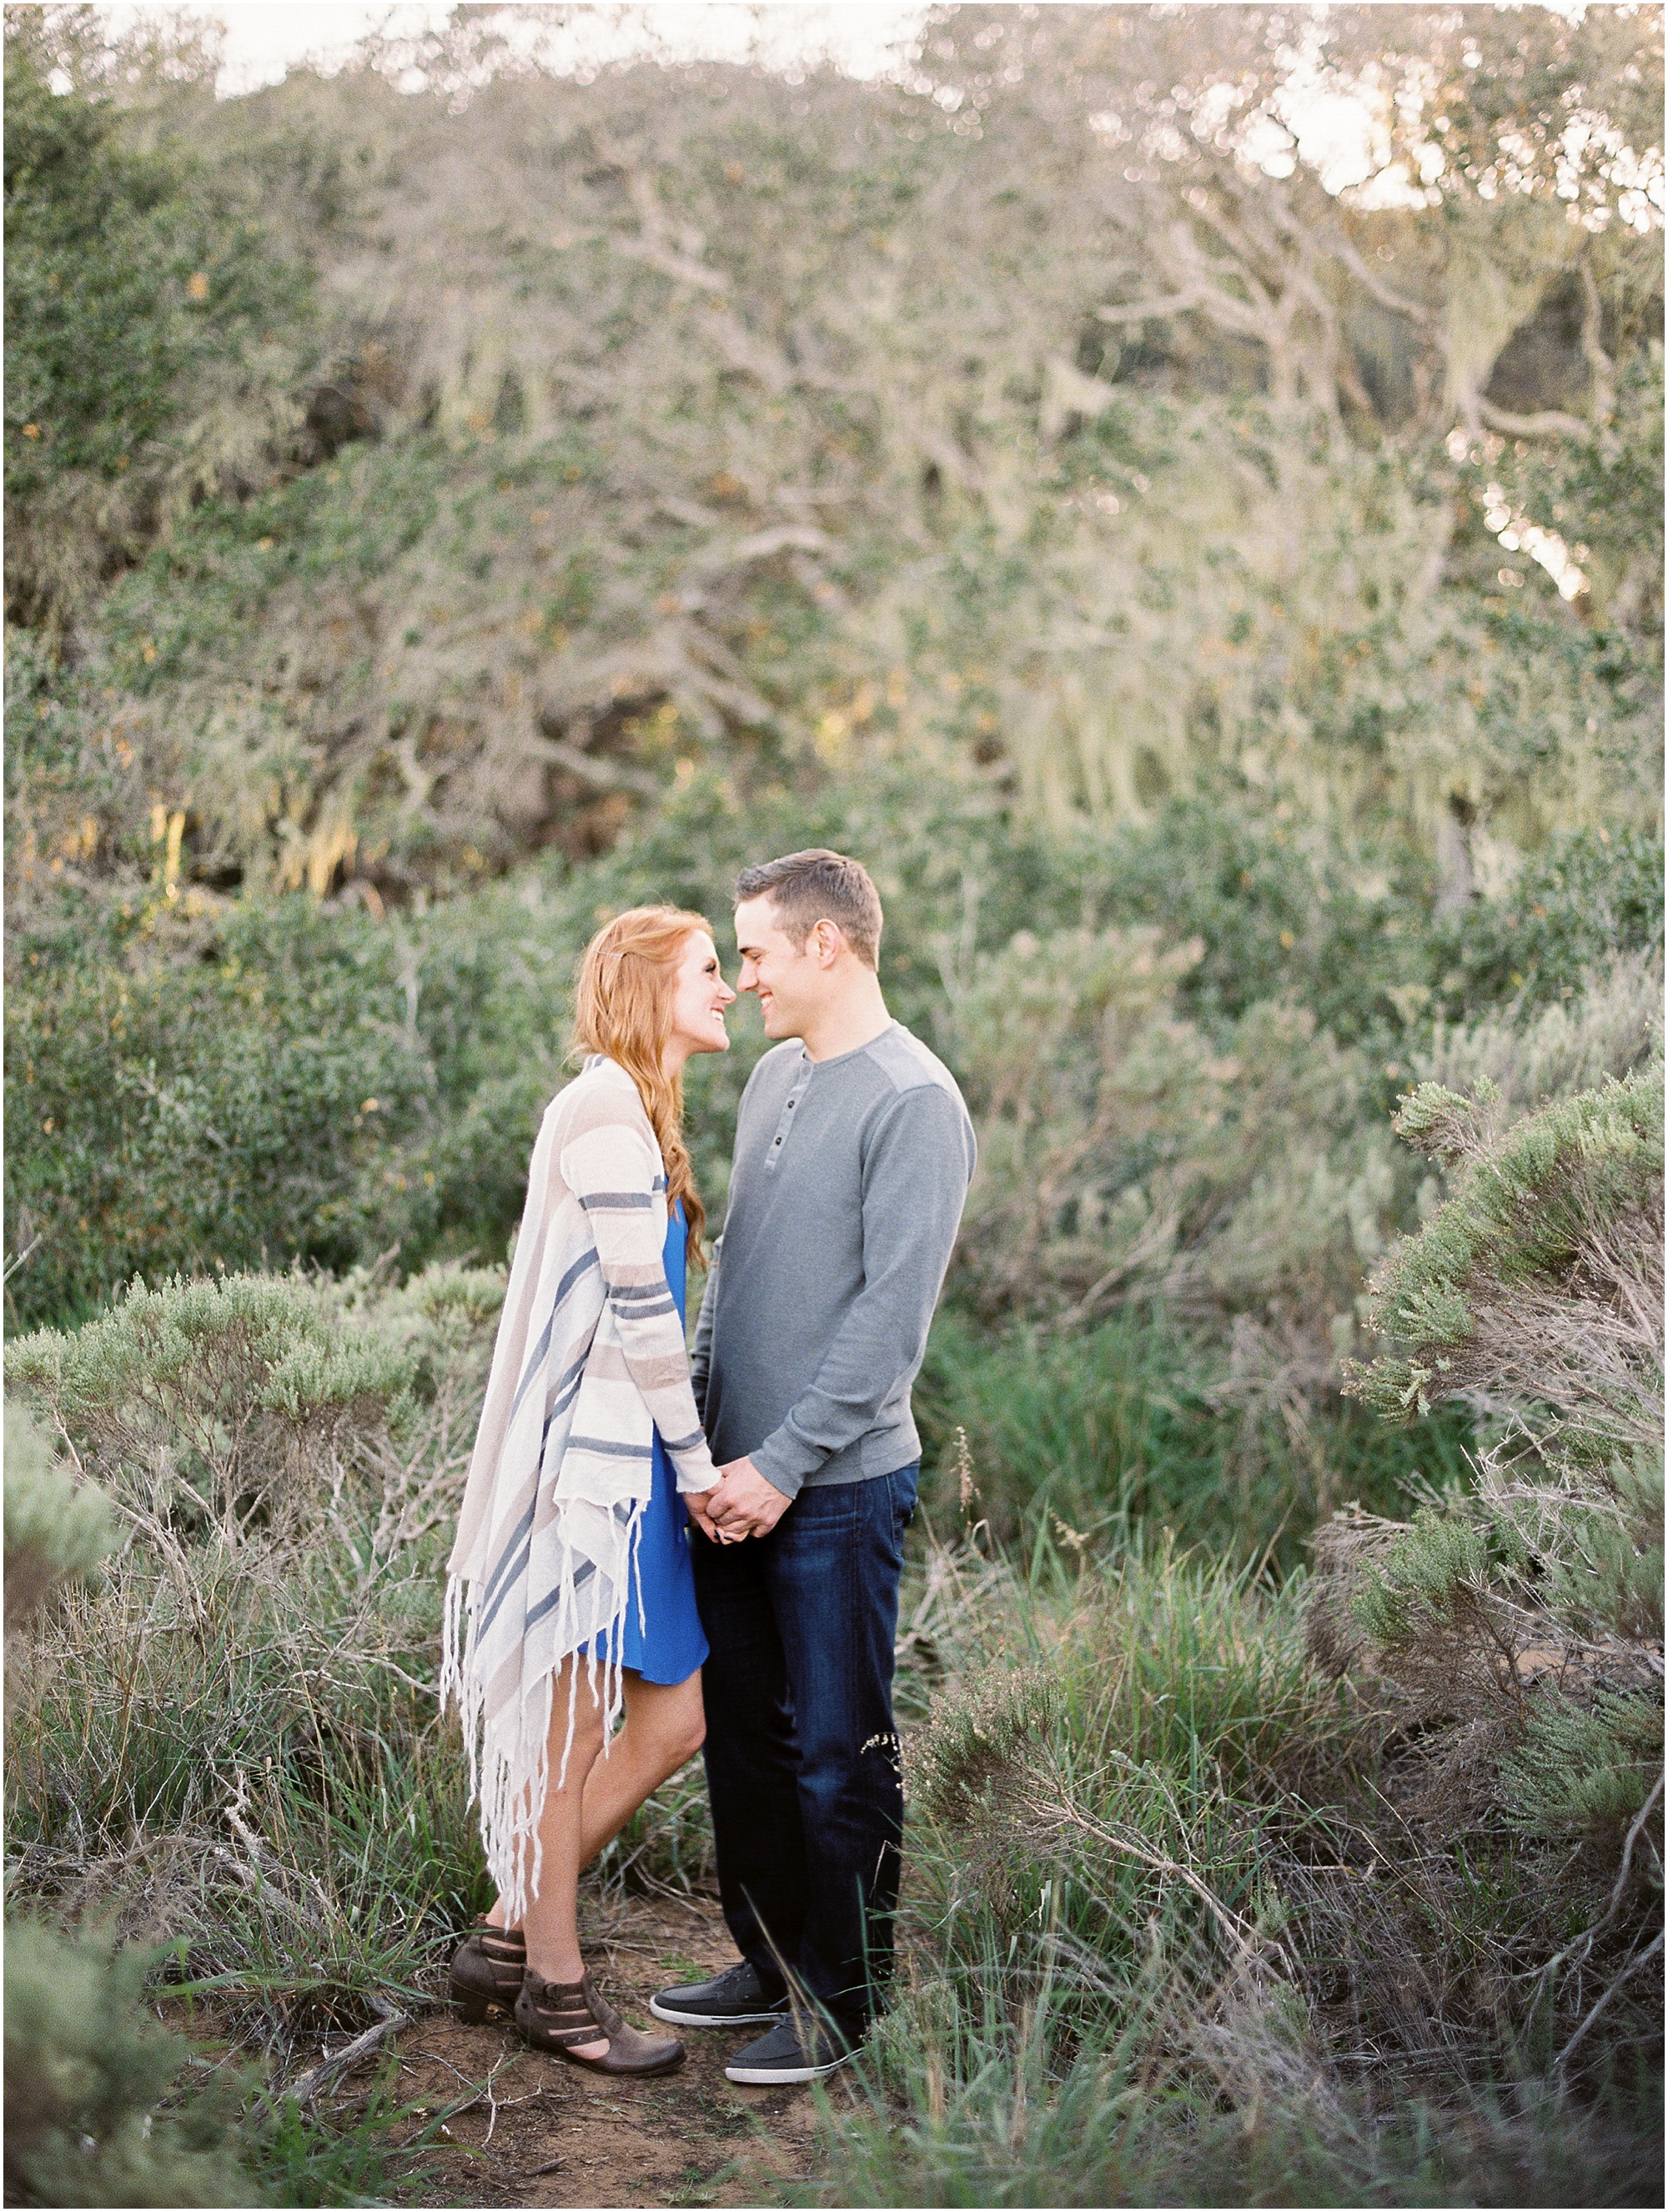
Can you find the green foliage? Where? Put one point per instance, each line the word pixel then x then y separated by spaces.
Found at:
pixel 85 2071
pixel 205 1067
pixel 269 1101
pixel 1124 1147
pixel 1158 1907
pixel 270 1644
pixel 1441 1563
pixel 272 1640
pixel 826 476
pixel 1125 1423
pixel 141 293
pixel 598 509
pixel 1560 1213
pixel 1612 1028
pixel 974 2112
pixel 1069 1798
pixel 56 1528
pixel 1603 1572
pixel 1520 1625
pixel 1587 896
pixel 227 1401
pixel 1586 1768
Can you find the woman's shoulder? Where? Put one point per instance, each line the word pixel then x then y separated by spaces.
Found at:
pixel 601 1096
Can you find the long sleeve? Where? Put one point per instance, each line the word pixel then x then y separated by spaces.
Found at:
pixel 700 1363
pixel 914 1179
pixel 615 1171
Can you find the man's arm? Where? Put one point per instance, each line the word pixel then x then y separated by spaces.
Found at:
pixel 700 1360
pixel 914 1184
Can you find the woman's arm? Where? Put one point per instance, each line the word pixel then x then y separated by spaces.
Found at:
pixel 613 1167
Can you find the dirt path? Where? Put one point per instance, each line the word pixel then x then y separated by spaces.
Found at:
pixel 546 2133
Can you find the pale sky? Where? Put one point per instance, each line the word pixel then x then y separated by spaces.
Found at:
pixel 266 38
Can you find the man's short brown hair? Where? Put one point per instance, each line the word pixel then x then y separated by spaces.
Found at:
pixel 806 888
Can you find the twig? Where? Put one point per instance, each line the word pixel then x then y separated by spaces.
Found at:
pixel 18 1258
pixel 1627 1974
pixel 1242 1934
pixel 307 2086
pixel 1576 1955
pixel 1640 1818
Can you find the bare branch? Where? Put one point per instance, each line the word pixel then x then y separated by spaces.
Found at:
pixel 1548 424
pixel 1139 311
pixel 1632 1966
pixel 305 2087
pixel 601 774
pixel 1603 367
pixel 1371 283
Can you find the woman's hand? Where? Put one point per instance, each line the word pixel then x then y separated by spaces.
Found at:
pixel 698 1504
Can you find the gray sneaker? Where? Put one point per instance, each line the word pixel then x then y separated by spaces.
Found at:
pixel 735 1998
pixel 801 2051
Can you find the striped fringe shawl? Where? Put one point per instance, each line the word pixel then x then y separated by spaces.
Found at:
pixel 589 1361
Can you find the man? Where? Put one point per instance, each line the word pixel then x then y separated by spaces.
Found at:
pixel 852 1154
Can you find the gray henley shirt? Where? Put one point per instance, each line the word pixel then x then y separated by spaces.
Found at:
pixel 846 1195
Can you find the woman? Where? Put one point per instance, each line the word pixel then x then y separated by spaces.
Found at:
pixel 570 1595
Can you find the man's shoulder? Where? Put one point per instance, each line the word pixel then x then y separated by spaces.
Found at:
pixel 908 1064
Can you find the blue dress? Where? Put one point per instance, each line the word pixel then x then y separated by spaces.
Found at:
pixel 664 1643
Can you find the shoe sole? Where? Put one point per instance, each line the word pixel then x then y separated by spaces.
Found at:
pixel 769 2077
pixel 675 2019
pixel 600 2066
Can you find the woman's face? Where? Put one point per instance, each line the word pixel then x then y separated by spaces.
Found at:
pixel 698 1002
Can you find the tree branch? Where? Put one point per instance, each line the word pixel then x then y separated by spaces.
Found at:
pixel 1592 345
pixel 1548 424
pixel 307 2086
pixel 1138 311
pixel 1363 273
pixel 602 775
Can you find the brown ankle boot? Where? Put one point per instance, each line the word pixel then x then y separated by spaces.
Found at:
pixel 487 1969
pixel 556 2016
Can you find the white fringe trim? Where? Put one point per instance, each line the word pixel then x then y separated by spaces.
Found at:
pixel 509 1755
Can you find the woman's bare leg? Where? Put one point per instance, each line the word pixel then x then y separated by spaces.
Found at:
pixel 550 1922
pixel 663 1729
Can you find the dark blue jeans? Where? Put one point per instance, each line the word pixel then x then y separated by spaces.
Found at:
pixel 802 1764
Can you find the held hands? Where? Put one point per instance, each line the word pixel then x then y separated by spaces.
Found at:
pixel 743 1504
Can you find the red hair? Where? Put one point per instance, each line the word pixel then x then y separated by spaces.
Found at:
pixel 623 1007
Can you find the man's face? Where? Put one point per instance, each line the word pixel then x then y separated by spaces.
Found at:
pixel 789 979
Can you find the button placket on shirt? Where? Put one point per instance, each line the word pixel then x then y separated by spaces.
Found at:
pixel 785 1119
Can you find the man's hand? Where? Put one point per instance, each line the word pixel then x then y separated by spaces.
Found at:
pixel 744 1503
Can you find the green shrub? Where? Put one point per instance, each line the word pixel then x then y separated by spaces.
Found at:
pixel 85 2072
pixel 56 1528
pixel 1589 895
pixel 1585 1770
pixel 227 1403
pixel 252 1689
pixel 1127 1152
pixel 1514 1633
pixel 1536 1277
pixel 1160 1903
